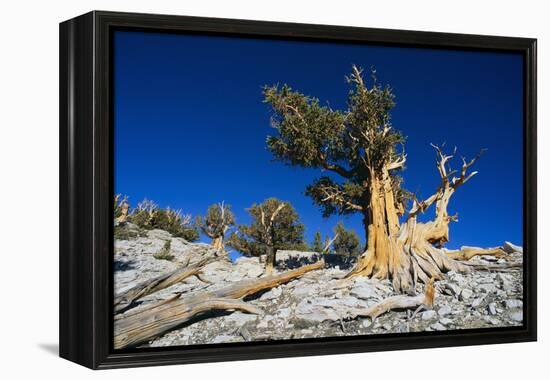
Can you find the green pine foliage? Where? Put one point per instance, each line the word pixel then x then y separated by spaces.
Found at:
pixel 148 215
pixel 317 243
pixel 352 143
pixel 218 219
pixel 346 242
pixel 287 231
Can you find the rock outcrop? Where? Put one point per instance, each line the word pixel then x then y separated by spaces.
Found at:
pixel 320 303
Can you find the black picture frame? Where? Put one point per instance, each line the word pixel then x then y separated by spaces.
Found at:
pixel 86 188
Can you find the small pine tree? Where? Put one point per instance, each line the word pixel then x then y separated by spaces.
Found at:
pixel 275 225
pixel 317 243
pixel 218 219
pixel 346 242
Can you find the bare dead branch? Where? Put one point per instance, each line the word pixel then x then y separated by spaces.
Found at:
pixel 337 196
pixel 464 176
pixel 399 163
pixel 329 243
pixel 126 299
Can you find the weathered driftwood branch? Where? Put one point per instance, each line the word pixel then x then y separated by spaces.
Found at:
pixel 495 267
pixel 140 326
pixel 401 302
pixel 329 243
pixel 466 253
pixel 126 299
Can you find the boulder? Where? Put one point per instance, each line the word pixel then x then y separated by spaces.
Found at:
pixel 478 301
pixel 239 319
pixel 272 294
pixel 159 234
pixel 305 290
pixel 487 288
pixel 511 248
pixel 466 294
pixel 429 314
pixel 365 291
pixel 451 289
pixel 513 304
pixel 315 313
pixel 444 310
pixel 516 316
pixel 438 327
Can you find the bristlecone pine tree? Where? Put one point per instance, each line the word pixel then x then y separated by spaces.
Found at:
pixel 360 145
pixel 274 226
pixel 121 208
pixel 218 219
pixel 147 214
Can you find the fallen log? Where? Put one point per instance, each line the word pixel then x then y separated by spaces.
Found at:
pixel 140 326
pixel 401 302
pixel 466 253
pixel 125 300
pixel 495 267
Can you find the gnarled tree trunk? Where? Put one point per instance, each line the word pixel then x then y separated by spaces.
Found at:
pixel 411 251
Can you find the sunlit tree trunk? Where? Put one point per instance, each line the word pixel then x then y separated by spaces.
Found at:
pixel 411 252
pixel 268 233
pixel 217 242
pixel 216 223
pixel 269 260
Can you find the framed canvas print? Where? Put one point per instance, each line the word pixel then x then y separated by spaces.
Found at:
pixel 238 189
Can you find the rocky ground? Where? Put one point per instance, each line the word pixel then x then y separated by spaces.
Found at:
pixel 318 304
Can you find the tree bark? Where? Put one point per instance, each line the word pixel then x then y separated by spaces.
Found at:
pixel 123 218
pixel 383 257
pixel 405 254
pixel 217 243
pixel 270 260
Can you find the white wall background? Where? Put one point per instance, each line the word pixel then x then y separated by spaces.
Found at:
pixel 29 186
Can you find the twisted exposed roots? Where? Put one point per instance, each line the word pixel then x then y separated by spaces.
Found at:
pixel 421 262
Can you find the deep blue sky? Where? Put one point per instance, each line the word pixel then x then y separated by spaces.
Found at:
pixel 190 125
